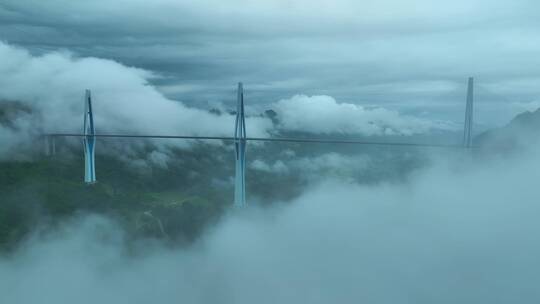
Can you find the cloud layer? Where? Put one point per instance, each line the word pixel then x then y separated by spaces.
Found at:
pixel 52 86
pixel 459 232
pixel 413 55
pixel 321 166
pixel 323 114
pixel 123 100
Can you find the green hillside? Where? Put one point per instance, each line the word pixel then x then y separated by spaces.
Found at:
pixel 48 190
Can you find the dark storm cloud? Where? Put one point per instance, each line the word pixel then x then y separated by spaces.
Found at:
pixel 412 56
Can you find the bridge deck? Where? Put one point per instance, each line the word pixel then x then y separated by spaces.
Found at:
pixel 266 139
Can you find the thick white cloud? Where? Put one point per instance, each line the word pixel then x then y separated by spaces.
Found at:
pixel 123 100
pixel 323 114
pixel 53 85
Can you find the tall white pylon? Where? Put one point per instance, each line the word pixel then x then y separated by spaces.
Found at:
pixel 467 129
pixel 240 150
pixel 89 140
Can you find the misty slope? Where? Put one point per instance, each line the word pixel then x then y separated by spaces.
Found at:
pixel 172 199
pixel 50 190
pixel 524 129
pixel 10 110
pixel 177 195
pixel 175 190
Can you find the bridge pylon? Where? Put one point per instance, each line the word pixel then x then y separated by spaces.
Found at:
pixel 50 145
pixel 468 126
pixel 240 151
pixel 89 140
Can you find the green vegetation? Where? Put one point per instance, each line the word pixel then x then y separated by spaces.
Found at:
pixel 177 199
pixel 51 189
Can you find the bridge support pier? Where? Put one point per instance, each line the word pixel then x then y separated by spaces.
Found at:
pixel 50 145
pixel 89 140
pixel 240 151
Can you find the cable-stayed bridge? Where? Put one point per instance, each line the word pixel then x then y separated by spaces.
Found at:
pixel 239 139
pixel 264 139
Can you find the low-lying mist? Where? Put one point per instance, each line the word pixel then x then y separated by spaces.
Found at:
pixel 460 231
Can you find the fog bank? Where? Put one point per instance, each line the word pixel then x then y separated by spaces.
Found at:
pixel 458 232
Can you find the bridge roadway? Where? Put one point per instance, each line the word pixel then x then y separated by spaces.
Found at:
pixel 265 139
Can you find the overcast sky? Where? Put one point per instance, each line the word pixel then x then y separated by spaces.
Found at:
pixel 411 56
